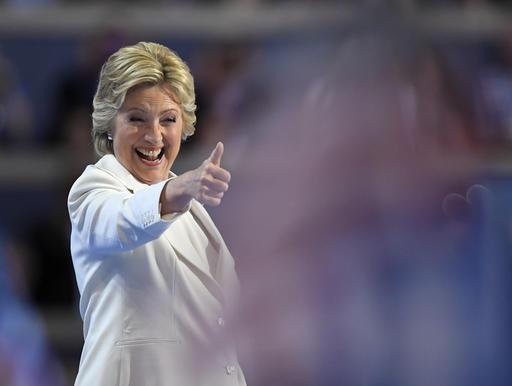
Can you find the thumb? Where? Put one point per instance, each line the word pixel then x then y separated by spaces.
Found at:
pixel 217 154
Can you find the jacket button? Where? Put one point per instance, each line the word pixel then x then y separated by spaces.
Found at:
pixel 230 369
pixel 220 321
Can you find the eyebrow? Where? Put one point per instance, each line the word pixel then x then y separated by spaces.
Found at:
pixel 145 111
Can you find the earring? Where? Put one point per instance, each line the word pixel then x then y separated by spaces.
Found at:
pixel 109 136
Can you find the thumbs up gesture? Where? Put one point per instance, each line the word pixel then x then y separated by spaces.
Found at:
pixel 206 184
pixel 216 155
pixel 213 180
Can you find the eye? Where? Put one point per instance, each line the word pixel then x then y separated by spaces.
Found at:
pixel 135 119
pixel 169 119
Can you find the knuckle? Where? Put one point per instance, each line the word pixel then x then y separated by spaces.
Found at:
pixel 202 195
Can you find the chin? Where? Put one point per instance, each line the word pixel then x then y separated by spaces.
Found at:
pixel 151 178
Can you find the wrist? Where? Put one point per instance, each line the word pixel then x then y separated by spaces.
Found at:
pixel 174 198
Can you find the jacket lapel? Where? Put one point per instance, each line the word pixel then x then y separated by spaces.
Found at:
pixel 223 269
pixel 200 215
pixel 185 251
pixel 111 165
pixel 193 261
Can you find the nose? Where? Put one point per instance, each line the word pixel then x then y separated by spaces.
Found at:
pixel 153 133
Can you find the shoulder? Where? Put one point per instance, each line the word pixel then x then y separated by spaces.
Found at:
pixel 97 176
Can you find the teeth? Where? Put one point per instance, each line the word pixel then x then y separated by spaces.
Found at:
pixel 149 153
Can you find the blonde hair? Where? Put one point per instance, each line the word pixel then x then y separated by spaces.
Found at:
pixel 133 65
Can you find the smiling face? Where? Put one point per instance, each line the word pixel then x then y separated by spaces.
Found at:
pixel 147 132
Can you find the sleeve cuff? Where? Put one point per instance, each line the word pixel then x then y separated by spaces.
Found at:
pixel 172 216
pixel 169 217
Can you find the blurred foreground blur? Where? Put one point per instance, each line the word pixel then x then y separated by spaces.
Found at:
pixel 353 274
pixel 370 151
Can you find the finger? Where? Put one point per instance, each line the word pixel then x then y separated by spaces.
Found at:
pixel 209 198
pixel 212 201
pixel 219 173
pixel 215 184
pixel 213 194
pixel 216 155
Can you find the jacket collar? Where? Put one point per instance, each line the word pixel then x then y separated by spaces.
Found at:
pixel 111 165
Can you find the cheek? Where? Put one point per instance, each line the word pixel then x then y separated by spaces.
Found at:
pixel 124 136
pixel 177 147
pixel 174 139
pixel 174 149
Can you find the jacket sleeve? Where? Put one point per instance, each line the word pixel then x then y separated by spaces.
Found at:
pixel 108 217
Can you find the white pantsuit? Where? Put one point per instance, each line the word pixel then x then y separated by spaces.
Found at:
pixel 155 291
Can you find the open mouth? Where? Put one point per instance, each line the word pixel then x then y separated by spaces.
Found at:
pixel 150 156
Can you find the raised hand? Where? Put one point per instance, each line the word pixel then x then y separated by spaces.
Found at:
pixel 207 184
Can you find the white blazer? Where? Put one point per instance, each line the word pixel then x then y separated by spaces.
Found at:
pixel 154 313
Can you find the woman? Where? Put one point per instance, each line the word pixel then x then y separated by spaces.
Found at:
pixel 155 277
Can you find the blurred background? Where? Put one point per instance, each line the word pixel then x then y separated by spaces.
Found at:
pixel 370 144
